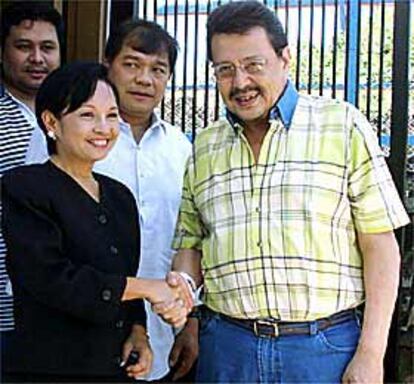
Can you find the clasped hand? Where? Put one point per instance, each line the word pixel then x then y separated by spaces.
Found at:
pixel 174 300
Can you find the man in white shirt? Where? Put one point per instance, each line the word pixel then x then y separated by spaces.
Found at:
pixel 149 157
pixel 31 36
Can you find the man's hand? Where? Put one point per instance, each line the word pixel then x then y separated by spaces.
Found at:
pixel 175 280
pixel 364 367
pixel 138 341
pixel 185 349
pixel 381 274
pixel 175 312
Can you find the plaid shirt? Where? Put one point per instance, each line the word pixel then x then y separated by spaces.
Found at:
pixel 278 238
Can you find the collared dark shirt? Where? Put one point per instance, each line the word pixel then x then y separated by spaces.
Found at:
pixel 68 258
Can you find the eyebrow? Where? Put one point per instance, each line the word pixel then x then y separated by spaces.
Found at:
pixel 93 107
pixel 23 40
pixel 162 63
pixel 130 56
pixel 243 59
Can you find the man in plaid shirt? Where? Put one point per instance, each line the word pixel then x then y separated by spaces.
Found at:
pixel 287 217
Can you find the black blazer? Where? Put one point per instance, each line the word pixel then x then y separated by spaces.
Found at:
pixel 68 258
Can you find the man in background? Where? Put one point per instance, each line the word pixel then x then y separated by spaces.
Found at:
pixel 31 42
pixel 149 157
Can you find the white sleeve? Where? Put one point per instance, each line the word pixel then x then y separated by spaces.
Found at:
pixel 37 149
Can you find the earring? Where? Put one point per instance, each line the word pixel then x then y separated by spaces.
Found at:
pixel 51 134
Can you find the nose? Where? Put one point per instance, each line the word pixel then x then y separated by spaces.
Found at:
pixel 36 55
pixel 240 77
pixel 143 77
pixel 103 125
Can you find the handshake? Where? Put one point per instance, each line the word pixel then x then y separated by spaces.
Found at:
pixel 173 298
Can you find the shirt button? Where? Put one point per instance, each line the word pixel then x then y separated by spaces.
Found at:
pixel 114 250
pixel 259 244
pixel 102 218
pixel 119 324
pixel 258 209
pixel 106 295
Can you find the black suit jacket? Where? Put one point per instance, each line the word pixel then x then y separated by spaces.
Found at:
pixel 68 257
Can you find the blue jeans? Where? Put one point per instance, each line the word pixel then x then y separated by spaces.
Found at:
pixel 230 353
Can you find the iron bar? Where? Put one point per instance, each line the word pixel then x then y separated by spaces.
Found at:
pixel 184 87
pixel 195 61
pixel 298 46
pixel 370 43
pixel 381 70
pixel 334 50
pixel 322 57
pixel 310 58
pixel 207 80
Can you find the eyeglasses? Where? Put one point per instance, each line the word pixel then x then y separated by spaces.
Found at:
pixel 227 71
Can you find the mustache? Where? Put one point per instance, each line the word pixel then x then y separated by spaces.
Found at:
pixel 240 91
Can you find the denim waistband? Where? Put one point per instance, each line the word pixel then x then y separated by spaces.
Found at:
pixel 273 328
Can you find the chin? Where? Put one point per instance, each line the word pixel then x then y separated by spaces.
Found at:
pixel 98 156
pixel 101 157
pixel 250 118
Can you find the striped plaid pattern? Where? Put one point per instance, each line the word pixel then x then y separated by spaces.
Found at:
pixel 279 237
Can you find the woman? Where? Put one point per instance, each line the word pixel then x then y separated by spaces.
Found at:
pixel 72 238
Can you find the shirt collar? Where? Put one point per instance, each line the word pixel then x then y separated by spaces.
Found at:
pixel 23 107
pixel 283 108
pixel 155 123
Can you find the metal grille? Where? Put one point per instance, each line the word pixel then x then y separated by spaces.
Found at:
pixel 340 48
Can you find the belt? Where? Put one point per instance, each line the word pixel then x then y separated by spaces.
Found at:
pixel 273 328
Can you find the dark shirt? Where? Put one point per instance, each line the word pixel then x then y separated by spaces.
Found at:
pixel 68 258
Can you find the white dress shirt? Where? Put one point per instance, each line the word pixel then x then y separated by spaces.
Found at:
pixel 153 170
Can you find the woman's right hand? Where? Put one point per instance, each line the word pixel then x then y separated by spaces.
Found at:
pixel 176 312
pixel 172 295
pixel 160 292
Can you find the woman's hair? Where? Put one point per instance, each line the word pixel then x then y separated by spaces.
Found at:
pixel 66 89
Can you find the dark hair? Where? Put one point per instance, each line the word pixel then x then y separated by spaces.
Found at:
pixel 66 89
pixel 239 17
pixel 18 11
pixel 144 36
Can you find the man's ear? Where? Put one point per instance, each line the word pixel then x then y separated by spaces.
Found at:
pixel 286 57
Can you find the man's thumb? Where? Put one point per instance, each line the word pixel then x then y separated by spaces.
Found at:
pixel 172 279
